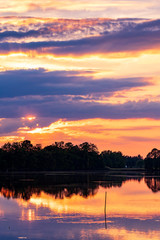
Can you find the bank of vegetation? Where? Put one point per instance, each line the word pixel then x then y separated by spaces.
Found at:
pixel 60 156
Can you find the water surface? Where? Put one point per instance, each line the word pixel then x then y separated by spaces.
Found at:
pixel 80 206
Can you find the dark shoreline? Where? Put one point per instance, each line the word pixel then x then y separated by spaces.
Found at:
pixel 108 171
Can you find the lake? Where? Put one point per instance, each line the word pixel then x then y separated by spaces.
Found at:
pixel 79 206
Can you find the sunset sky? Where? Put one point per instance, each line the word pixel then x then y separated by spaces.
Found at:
pixel 80 70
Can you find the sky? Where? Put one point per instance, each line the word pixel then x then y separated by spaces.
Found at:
pixel 78 71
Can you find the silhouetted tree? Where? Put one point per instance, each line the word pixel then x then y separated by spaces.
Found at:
pixel 134 162
pixel 113 159
pixel 152 160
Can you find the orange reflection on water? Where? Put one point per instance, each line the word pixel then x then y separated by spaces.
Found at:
pixel 127 201
pixel 28 215
pixel 75 204
pixel 134 199
pixel 123 234
pixel 1 213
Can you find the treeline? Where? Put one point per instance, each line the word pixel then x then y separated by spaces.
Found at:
pixel 152 160
pixel 23 156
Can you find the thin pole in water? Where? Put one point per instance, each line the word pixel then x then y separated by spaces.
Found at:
pixel 105 210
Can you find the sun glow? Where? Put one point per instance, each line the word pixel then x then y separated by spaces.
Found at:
pixel 29 118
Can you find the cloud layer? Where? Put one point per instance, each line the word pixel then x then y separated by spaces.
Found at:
pixel 42 83
pixel 80 37
pixel 67 95
pixel 77 70
pixel 81 8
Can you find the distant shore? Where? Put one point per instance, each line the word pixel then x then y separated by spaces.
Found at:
pixel 111 170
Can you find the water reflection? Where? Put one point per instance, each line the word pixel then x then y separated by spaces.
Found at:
pixel 84 206
pixel 153 183
pixel 60 186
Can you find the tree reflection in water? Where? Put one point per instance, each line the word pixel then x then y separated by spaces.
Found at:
pixel 153 183
pixel 59 186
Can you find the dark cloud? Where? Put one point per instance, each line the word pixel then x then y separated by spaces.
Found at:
pixel 149 25
pixel 80 110
pixel 114 36
pixel 109 43
pixel 9 125
pixel 41 83
pixel 64 107
pixel 140 139
pixel 20 34
pixel 62 28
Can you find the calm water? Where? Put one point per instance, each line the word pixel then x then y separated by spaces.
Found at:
pixel 80 207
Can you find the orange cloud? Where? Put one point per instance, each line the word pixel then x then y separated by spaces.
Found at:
pixel 116 135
